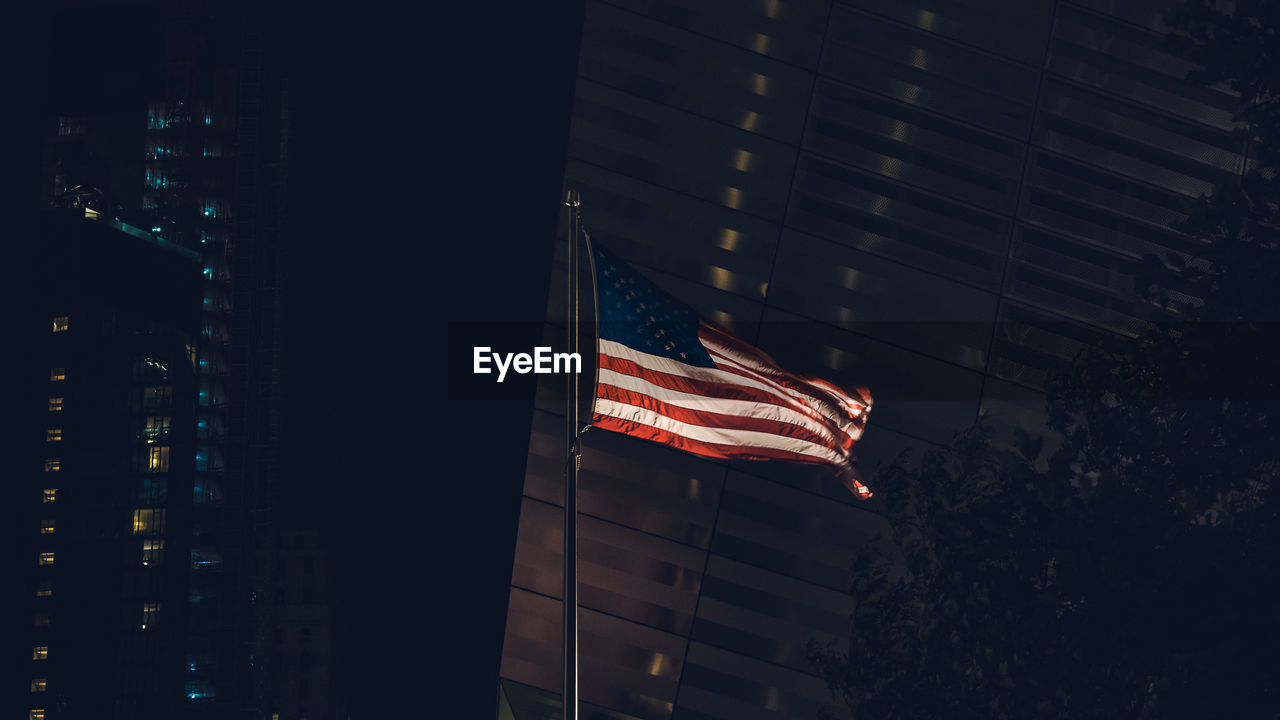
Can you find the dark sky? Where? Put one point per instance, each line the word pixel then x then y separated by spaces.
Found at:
pixel 429 152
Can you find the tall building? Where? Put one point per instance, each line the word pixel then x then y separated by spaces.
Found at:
pixel 941 201
pixel 170 120
pixel 109 485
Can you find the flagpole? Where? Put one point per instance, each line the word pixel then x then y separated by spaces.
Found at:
pixel 569 696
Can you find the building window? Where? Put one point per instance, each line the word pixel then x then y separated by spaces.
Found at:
pixel 39 684
pixel 55 404
pixel 157 396
pixel 61 323
pixel 57 374
pixel 158 458
pixel 44 588
pixel 35 714
pixel 152 491
pixel 42 620
pixel 152 552
pixel 156 428
pixel 49 495
pixel 40 652
pixel 52 465
pixel 53 435
pixel 150 612
pixel 46 558
pixel 46 527
pixel 148 521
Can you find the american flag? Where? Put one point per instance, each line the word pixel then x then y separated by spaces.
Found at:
pixel 666 375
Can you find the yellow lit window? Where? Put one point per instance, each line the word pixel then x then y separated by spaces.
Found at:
pixel 42 620
pixel 40 652
pixel 46 558
pixel 55 404
pixel 50 495
pixel 57 374
pixel 46 527
pixel 53 435
pixel 152 552
pixel 52 465
pixel 158 458
pixel 39 684
pixel 148 521
pixel 150 611
pixel 36 714
pixel 44 589
pixel 61 323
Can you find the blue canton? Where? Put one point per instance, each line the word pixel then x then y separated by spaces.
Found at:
pixel 636 313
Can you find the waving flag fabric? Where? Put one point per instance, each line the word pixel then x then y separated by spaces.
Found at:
pixel 667 376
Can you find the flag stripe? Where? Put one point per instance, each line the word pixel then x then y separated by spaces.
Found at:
pixel 732 384
pixel 730 350
pixel 695 400
pixel 711 419
pixel 720 393
pixel 726 443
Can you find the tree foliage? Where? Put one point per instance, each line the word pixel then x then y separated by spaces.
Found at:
pixel 1131 570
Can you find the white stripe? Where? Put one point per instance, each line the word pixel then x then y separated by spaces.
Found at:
pixel 739 408
pixel 731 356
pixel 675 367
pixel 698 433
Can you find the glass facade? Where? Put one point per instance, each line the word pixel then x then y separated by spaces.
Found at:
pixel 942 202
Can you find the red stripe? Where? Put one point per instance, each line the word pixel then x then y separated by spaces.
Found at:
pixel 698 447
pixel 705 388
pixel 811 387
pixel 722 390
pixel 713 419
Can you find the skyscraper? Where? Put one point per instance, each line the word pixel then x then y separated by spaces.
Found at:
pixel 940 202
pixel 108 487
pixel 170 121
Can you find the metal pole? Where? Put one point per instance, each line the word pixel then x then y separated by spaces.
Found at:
pixel 570 692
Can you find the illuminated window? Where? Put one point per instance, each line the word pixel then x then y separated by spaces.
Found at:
pixel 152 552
pixel 60 323
pixel 46 527
pixel 52 465
pixel 42 620
pixel 158 458
pixel 36 714
pixel 55 404
pixel 46 558
pixel 49 495
pixel 39 684
pixel 57 374
pixel 40 652
pixel 148 521
pixel 44 588
pixel 53 435
pixel 149 613
pixel 156 428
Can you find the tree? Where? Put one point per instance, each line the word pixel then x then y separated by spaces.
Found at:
pixel 1131 571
